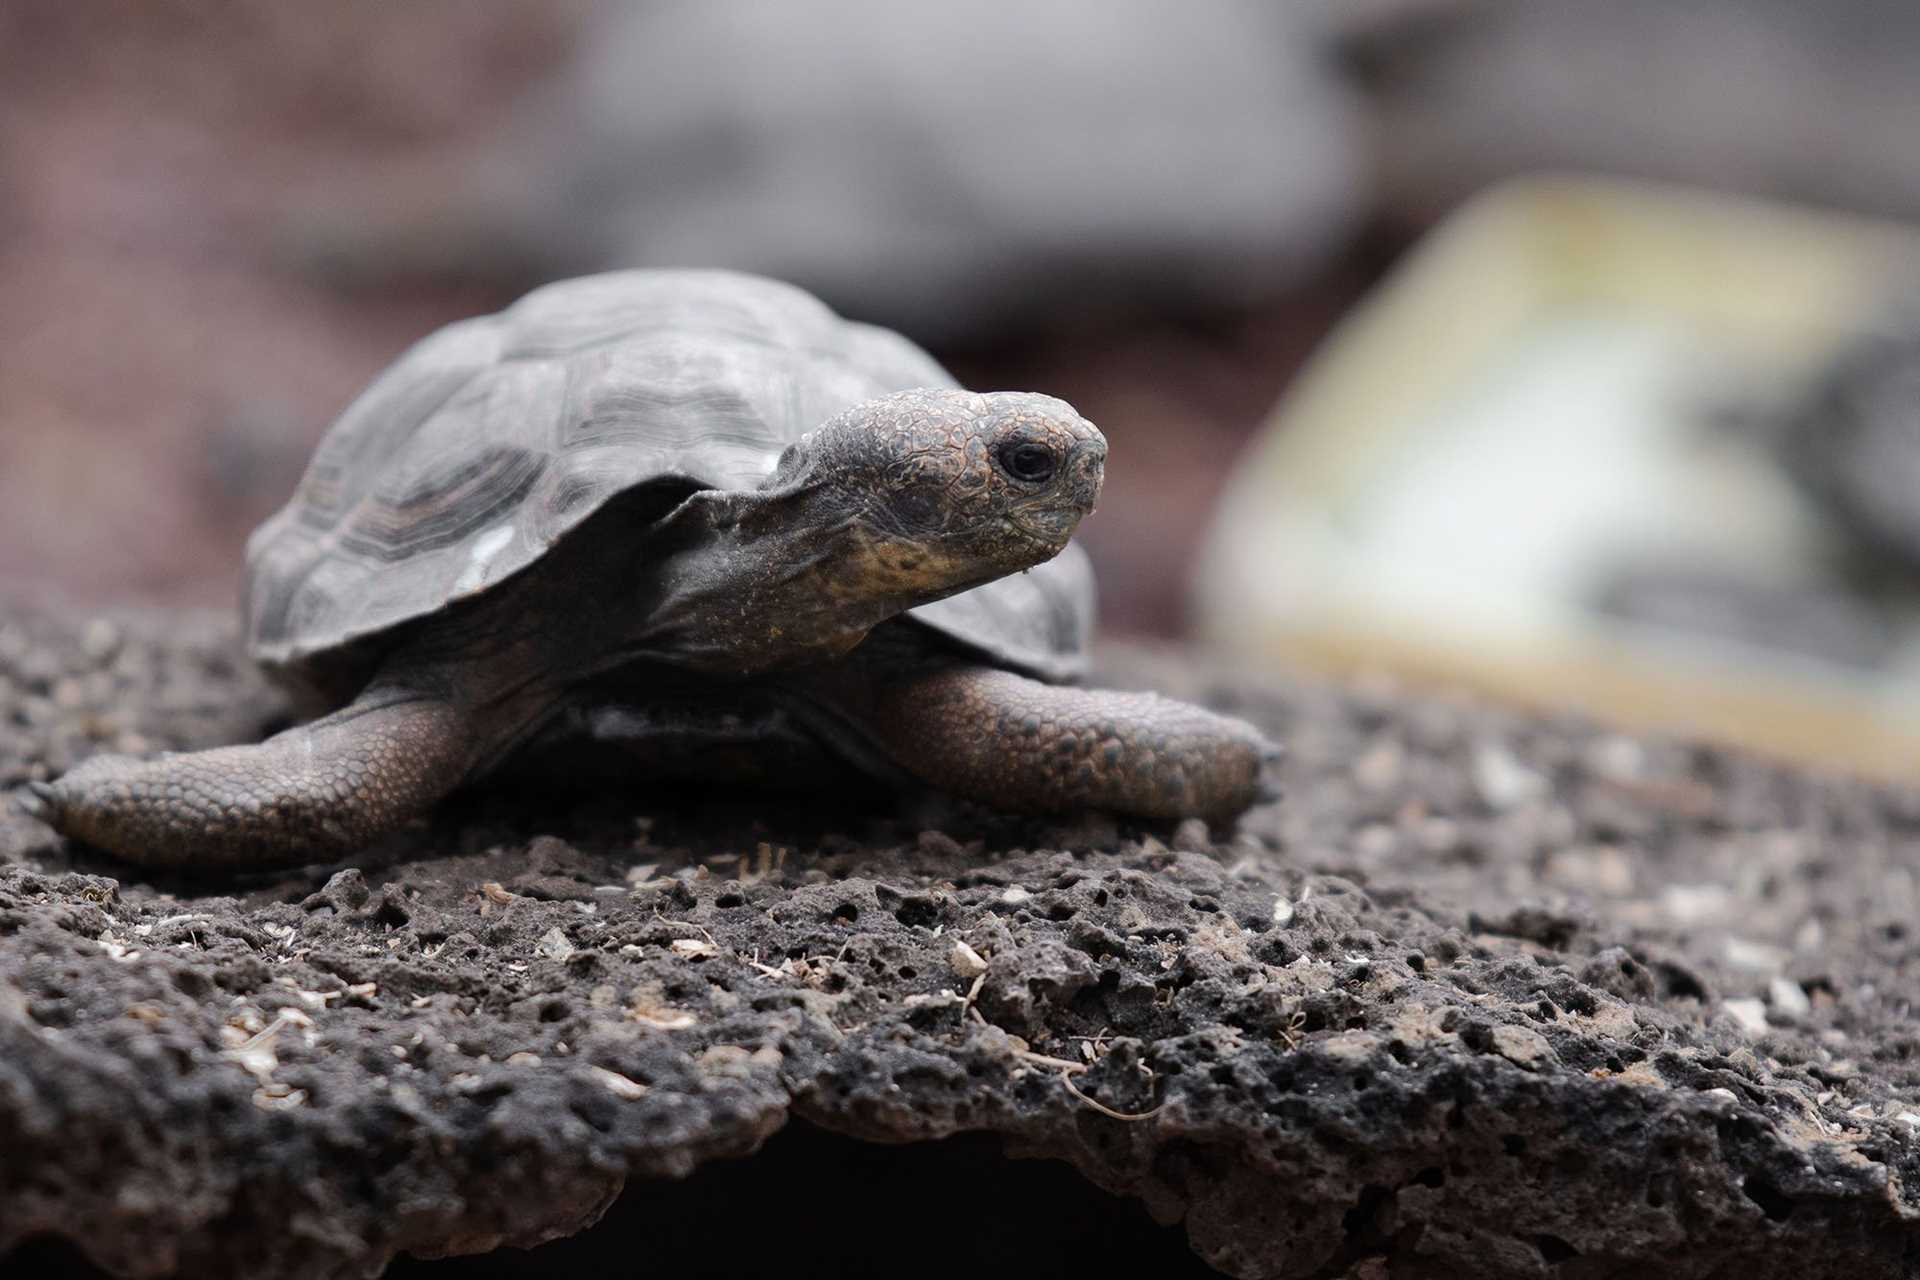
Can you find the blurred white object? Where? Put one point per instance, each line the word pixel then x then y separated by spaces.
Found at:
pixel 941 166
pixel 1539 460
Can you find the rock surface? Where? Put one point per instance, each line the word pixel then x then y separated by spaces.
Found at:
pixel 1486 995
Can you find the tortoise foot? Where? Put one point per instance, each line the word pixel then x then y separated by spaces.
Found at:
pixel 1020 744
pixel 315 792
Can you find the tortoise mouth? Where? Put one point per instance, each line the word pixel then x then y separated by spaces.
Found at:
pixel 1044 532
pixel 1047 528
pixel 1017 544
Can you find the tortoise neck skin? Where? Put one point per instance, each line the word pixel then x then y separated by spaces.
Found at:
pixel 893 504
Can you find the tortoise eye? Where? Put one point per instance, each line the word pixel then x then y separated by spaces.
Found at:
pixel 1027 460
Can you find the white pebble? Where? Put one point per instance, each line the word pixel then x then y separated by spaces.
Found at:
pixel 1788 998
pixel 1751 1014
pixel 1502 781
pixel 966 962
pixel 1756 957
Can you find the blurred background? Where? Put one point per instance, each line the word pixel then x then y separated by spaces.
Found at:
pixel 1579 438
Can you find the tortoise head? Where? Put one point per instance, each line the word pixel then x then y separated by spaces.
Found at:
pixel 946 489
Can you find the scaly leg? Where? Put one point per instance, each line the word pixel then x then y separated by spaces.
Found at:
pixel 1015 743
pixel 317 791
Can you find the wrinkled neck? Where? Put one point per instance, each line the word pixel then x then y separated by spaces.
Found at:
pixel 764 580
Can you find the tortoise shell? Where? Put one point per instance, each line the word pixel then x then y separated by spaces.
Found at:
pixel 492 439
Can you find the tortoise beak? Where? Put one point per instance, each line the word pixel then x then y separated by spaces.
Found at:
pixel 1086 469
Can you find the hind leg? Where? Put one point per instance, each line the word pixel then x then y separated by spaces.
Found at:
pixel 1015 743
pixel 315 792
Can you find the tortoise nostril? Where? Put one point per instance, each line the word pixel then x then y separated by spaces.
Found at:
pixel 1088 470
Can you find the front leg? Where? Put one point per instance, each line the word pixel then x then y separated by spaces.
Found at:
pixel 315 792
pixel 1014 743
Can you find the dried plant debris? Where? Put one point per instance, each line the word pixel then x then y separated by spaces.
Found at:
pixel 1412 1021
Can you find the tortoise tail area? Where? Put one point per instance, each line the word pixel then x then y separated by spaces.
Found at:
pixel 312 793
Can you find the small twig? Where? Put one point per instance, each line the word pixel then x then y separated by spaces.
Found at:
pixel 768 969
pixel 685 924
pixel 973 993
pixel 1093 1047
pixel 1042 1060
pixel 1066 1078
pixel 189 917
pixel 1067 1072
pixel 267 1034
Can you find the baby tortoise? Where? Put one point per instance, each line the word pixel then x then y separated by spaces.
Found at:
pixel 658 509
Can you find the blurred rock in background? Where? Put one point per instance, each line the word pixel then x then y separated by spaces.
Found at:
pixel 1809 101
pixel 945 169
pixel 1853 438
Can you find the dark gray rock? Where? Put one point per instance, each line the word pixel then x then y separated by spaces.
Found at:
pixel 1852 439
pixel 1651 1019
pixel 1808 102
pixel 950 170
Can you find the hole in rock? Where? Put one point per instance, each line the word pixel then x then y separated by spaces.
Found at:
pixel 1775 1203
pixel 917 913
pixel 870 1207
pixel 1554 1250
pixel 867 1207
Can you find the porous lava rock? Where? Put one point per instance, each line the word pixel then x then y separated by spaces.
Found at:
pixel 1484 995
